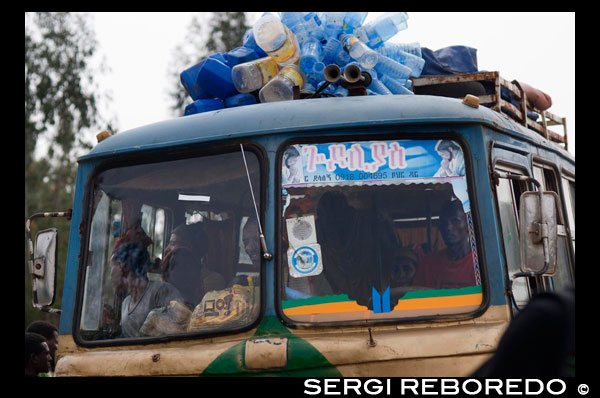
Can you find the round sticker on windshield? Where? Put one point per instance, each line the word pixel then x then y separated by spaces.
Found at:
pixel 305 261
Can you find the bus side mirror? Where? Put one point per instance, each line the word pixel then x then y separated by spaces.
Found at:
pixel 43 267
pixel 537 218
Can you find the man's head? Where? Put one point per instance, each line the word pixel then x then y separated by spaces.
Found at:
pixel 404 267
pixel 49 332
pixel 191 236
pixel 333 206
pixel 37 353
pixel 132 260
pixel 453 224
pixel 250 239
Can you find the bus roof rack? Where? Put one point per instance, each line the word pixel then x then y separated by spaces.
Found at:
pixel 498 104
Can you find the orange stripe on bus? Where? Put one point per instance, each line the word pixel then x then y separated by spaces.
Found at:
pixel 410 304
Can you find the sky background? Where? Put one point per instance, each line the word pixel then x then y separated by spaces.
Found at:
pixel 536 48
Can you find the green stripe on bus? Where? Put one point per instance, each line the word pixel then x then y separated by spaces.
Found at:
pixel 285 304
pixel 303 359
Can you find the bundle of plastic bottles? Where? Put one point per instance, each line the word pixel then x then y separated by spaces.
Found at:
pixel 293 48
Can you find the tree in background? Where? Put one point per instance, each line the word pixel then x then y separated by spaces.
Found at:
pixel 207 33
pixel 60 103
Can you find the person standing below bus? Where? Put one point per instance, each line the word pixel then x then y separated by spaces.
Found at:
pixel 50 333
pixel 37 355
pixel 451 267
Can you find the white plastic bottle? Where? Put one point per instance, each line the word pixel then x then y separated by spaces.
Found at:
pixel 281 88
pixel 276 39
pixel 252 75
pixel 366 57
pixel 376 32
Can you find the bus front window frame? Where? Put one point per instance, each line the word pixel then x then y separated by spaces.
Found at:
pixel 280 272
pixel 254 151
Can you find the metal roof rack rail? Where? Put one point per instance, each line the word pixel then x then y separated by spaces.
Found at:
pixel 498 104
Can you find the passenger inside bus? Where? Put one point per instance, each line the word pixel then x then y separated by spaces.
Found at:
pixel 111 315
pixel 404 268
pixel 144 295
pixel 184 264
pixel 251 243
pixel 451 267
pixel 357 246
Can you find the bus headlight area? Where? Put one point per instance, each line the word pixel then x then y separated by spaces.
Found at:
pixel 433 386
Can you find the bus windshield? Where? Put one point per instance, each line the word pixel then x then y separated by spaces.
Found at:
pixel 172 248
pixel 376 230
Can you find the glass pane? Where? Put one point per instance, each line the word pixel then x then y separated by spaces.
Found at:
pixel 147 219
pixel 141 283
pixel 569 190
pixel 377 230
pixel 99 236
pixel 562 278
pixel 159 233
pixel 509 216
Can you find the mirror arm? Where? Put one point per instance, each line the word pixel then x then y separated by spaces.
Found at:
pixel 497 174
pixel 48 309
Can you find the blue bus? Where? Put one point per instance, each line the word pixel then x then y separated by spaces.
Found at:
pixel 366 235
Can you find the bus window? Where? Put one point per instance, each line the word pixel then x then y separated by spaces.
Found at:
pixel 163 256
pixel 569 191
pixel 377 230
pixel 563 277
pixel 508 193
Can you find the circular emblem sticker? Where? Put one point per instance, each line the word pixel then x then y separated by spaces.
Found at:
pixel 305 261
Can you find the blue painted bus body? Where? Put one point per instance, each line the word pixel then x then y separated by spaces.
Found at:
pixel 271 124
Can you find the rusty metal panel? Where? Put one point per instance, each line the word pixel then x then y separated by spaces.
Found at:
pixel 397 349
pixel 519 115
pixel 443 79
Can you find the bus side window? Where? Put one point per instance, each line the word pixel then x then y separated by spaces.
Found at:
pixel 154 223
pixel 569 192
pixel 508 194
pixel 563 277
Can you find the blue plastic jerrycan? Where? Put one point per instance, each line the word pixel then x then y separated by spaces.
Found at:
pixel 189 78
pixel 240 100
pixel 249 42
pixel 203 105
pixel 214 78
pixel 240 55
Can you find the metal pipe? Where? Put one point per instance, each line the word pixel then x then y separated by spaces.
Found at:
pixel 352 74
pixel 332 73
